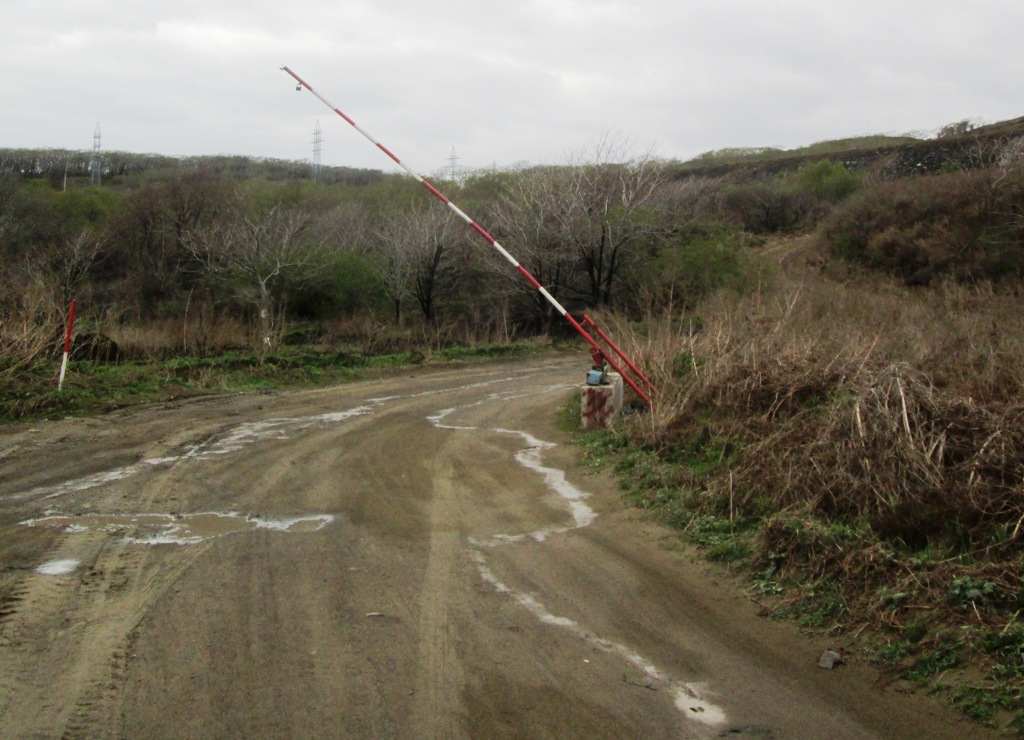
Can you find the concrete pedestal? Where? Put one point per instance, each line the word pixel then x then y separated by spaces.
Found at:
pixel 599 404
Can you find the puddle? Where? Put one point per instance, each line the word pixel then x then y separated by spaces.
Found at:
pixel 554 478
pixel 233 440
pixel 183 529
pixel 529 457
pixel 240 437
pixel 58 567
pixel 687 697
pixel 270 429
pixel 438 421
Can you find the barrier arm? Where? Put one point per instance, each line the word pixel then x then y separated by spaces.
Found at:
pixel 302 84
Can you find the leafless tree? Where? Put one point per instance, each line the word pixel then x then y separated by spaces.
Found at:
pixel 530 220
pixel 36 293
pixel 608 212
pixel 150 231
pixel 574 226
pixel 258 249
pixel 30 317
pixel 414 245
pixel 71 260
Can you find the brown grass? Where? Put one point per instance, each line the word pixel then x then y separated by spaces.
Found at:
pixel 862 402
pixel 175 336
pixel 871 447
pixel 30 323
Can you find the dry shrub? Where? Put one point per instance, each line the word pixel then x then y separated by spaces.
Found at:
pixel 30 322
pixel 855 403
pixel 966 225
pixel 891 450
pixel 171 337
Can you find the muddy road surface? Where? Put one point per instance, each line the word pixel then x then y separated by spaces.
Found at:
pixel 419 556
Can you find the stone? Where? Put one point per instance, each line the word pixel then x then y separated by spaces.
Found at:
pixel 829 660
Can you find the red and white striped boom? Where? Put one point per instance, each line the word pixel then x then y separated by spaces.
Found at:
pixel 504 253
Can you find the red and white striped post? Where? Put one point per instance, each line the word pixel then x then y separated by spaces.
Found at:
pixel 67 345
pixel 489 239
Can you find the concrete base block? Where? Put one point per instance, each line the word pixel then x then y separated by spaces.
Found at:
pixel 599 404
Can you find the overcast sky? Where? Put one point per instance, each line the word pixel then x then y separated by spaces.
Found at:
pixel 501 82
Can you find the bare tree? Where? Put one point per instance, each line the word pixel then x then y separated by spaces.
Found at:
pixel 439 233
pixel 30 317
pixel 607 211
pixel 71 260
pixel 259 250
pixel 529 218
pixel 574 226
pixel 394 263
pixel 151 230
pixel 414 245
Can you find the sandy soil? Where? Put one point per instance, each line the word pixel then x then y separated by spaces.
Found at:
pixel 419 556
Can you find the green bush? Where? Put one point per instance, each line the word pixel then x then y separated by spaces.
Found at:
pixel 346 284
pixel 828 180
pixel 693 265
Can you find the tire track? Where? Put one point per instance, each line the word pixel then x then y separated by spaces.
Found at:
pixel 66 640
pixel 440 677
pixel 66 647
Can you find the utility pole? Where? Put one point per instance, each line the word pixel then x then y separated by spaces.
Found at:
pixel 96 165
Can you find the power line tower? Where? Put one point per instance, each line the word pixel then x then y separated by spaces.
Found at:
pixel 96 165
pixel 318 138
pixel 453 170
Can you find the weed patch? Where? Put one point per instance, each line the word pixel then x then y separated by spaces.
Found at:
pixel 982 703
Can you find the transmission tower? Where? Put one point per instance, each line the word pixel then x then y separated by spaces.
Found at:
pixel 318 138
pixel 96 165
pixel 453 169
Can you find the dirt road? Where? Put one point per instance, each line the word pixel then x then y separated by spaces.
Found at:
pixel 414 557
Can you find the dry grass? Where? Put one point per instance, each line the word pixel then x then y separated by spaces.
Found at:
pixel 168 337
pixel 874 403
pixel 893 417
pixel 30 324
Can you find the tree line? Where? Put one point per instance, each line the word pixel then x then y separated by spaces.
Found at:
pixel 167 239
pixel 161 239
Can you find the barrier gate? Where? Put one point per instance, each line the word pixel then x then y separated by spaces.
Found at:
pixel 635 379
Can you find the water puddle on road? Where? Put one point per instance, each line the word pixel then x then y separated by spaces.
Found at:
pixel 58 567
pixel 238 438
pixel 689 697
pixel 232 440
pixel 180 529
